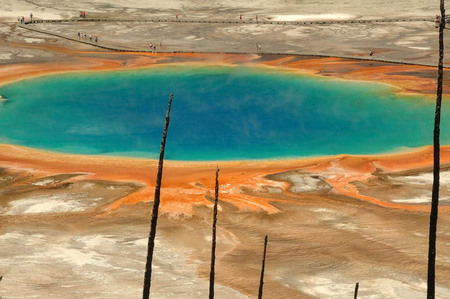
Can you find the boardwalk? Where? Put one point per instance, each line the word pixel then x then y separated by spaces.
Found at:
pixel 218 21
pixel 29 26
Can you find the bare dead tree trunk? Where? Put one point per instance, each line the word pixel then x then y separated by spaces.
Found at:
pixel 154 221
pixel 261 280
pixel 356 290
pixel 436 166
pixel 213 249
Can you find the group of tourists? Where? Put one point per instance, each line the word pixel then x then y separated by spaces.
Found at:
pixel 240 17
pixel 437 21
pixel 153 47
pixel 22 19
pixel 82 14
pixel 86 36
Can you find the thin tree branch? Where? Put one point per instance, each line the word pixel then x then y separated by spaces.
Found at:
pixel 436 165
pixel 154 221
pixel 213 249
pixel 356 290
pixel 261 280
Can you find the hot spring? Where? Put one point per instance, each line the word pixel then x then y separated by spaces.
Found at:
pixel 218 113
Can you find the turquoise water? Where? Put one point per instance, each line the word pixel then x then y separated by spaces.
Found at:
pixel 218 113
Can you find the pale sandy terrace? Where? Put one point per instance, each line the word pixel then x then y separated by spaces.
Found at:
pixel 76 228
pixel 406 41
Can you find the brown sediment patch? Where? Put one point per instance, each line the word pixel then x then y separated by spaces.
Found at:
pixel 28 192
pixel 187 184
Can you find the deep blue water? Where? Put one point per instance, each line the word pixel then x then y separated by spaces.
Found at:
pixel 218 113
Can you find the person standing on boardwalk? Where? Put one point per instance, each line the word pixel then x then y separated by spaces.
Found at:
pixel 371 53
pixel 79 35
pixel 31 17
